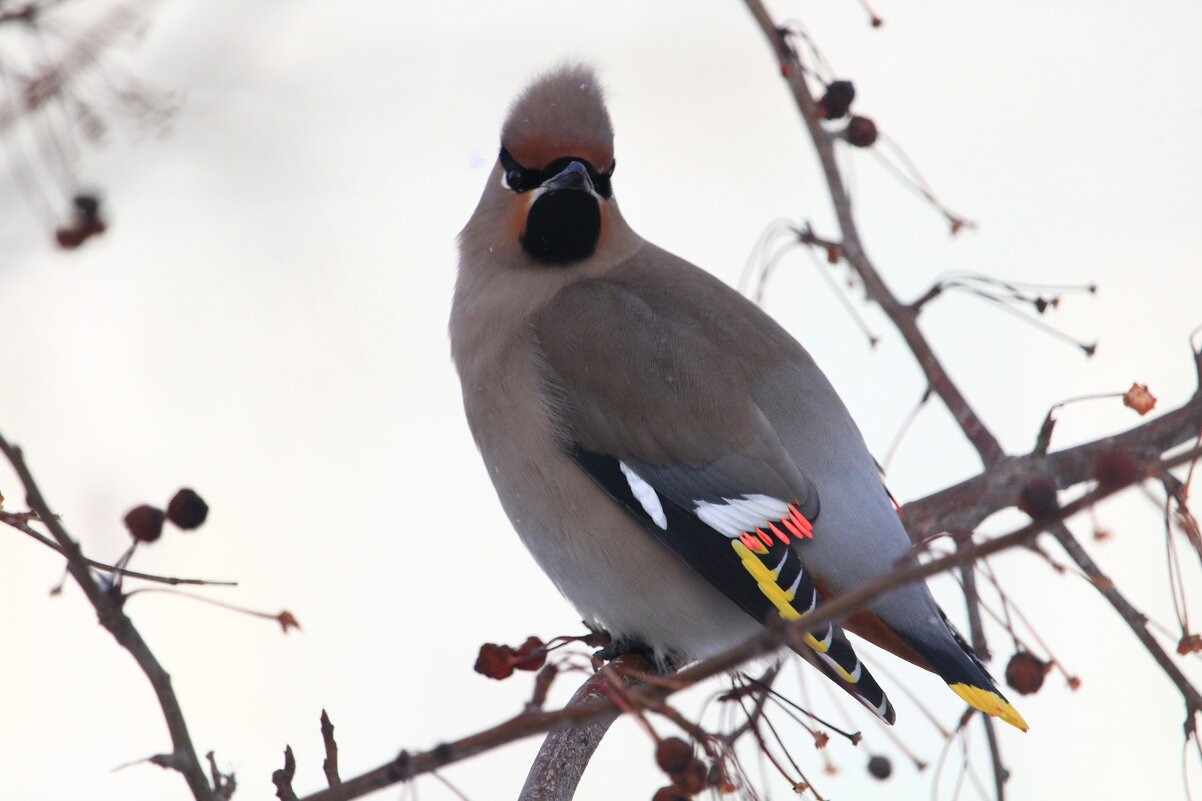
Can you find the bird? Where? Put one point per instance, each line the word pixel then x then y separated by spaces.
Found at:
pixel 670 456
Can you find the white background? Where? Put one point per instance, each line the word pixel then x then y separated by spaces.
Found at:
pixel 265 322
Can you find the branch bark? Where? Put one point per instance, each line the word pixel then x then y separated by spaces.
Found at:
pixel 564 754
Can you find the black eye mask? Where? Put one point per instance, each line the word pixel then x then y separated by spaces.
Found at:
pixel 523 179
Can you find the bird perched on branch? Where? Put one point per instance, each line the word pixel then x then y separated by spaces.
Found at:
pixel 673 459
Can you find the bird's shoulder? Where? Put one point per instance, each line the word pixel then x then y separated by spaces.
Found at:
pixel 658 298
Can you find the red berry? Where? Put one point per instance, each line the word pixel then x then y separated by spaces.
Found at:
pixel 145 523
pixel 880 767
pixel 692 780
pixel 1025 672
pixel 69 238
pixel 861 132
pixel 669 793
pixel 673 755
pixel 530 655
pixel 495 661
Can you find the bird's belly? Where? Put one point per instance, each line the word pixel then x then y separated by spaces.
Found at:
pixel 603 561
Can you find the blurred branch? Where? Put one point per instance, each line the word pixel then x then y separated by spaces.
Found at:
pixel 109 610
pixel 1135 619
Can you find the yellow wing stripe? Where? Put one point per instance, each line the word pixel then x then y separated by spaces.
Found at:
pixel 990 703
pixel 766 579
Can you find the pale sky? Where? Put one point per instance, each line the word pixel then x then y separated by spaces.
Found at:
pixel 265 321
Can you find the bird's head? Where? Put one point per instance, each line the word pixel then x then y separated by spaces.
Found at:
pixel 552 183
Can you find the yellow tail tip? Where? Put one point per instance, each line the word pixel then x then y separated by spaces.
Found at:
pixel 990 703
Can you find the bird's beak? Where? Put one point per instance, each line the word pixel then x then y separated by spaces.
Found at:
pixel 573 176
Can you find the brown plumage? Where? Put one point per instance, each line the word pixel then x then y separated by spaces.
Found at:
pixel 672 458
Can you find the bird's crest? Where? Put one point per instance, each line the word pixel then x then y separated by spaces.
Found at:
pixel 562 113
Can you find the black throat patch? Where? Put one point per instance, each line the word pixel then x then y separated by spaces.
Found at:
pixel 562 226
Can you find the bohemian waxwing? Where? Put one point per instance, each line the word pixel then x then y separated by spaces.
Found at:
pixel 674 460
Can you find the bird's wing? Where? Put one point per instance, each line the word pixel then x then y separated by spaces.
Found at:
pixel 650 413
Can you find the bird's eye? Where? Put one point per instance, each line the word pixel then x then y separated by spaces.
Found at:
pixel 517 177
pixel 602 183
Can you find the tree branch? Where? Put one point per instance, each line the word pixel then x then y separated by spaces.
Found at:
pixel 564 755
pixel 406 765
pixel 109 610
pixel 1132 616
pixel 20 521
pixel 904 317
pixel 963 506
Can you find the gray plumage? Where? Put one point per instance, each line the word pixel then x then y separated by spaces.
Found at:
pixel 613 349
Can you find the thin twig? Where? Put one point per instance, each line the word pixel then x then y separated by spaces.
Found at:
pixel 329 765
pixel 20 522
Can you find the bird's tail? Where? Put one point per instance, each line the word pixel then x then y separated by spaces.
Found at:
pixel 956 663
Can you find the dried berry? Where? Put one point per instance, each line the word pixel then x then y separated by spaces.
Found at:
pixel 1139 399
pixel 1189 644
pixel 1114 469
pixel 837 100
pixel 495 661
pixel 669 793
pixel 673 755
pixel 691 780
pixel 287 620
pixel 861 132
pixel 1038 498
pixel 530 655
pixel 1025 672
pixel 69 238
pixel 145 523
pixel 187 509
pixel 880 767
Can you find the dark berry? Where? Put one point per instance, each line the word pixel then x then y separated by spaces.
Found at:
pixel 1038 498
pixel 187 510
pixel 880 767
pixel 145 523
pixel 837 100
pixel 1114 469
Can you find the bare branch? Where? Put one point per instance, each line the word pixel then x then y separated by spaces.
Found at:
pixel 963 506
pixel 903 316
pixel 329 765
pixel 1133 618
pixel 20 521
pixel 282 778
pixel 406 765
pixel 109 610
